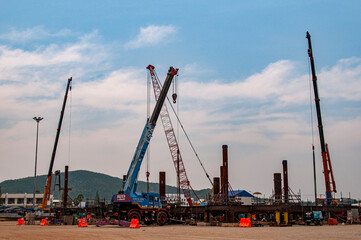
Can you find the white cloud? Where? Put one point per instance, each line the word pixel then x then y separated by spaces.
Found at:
pixel 261 86
pixel 342 80
pixel 31 34
pixel 282 82
pixel 121 90
pixel 151 35
pixel 15 64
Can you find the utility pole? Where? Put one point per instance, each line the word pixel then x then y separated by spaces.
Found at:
pixel 37 119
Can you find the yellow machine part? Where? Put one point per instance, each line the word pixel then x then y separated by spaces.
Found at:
pixel 46 196
pixel 285 216
pixel 278 217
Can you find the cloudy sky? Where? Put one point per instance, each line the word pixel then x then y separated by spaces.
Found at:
pixel 244 81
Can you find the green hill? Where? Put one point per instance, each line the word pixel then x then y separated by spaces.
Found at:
pixel 83 182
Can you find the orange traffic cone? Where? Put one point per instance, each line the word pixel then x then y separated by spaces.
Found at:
pixel 245 222
pixel 83 223
pixel 43 222
pixel 134 223
pixel 20 222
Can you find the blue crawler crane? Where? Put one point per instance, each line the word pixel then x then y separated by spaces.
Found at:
pixel 146 207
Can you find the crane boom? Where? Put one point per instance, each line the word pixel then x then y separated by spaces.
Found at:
pixel 47 190
pixel 327 167
pixel 172 140
pixel 130 185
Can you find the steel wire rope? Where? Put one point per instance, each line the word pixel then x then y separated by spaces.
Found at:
pixel 185 133
pixel 311 108
pixel 148 116
pixel 312 130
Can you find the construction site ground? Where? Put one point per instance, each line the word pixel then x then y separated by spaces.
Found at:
pixel 9 230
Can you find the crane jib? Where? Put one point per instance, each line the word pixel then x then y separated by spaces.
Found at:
pixel 132 175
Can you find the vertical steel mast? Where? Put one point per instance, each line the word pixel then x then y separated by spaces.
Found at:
pixel 50 173
pixel 327 168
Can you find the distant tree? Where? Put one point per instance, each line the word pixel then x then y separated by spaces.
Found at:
pixel 1 200
pixel 97 198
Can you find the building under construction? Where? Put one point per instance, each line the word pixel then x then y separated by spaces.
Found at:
pixel 282 209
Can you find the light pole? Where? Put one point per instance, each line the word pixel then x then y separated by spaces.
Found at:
pixel 37 119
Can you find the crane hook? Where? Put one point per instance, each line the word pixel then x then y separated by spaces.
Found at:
pixel 174 96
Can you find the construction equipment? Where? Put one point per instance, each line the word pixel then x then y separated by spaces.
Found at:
pixel 314 217
pixel 327 167
pixel 47 190
pixel 171 139
pixel 128 204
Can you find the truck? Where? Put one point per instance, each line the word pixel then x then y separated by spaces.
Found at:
pixel 314 217
pixel 128 204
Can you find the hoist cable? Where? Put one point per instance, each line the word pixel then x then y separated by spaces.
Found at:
pixel 311 108
pixel 185 133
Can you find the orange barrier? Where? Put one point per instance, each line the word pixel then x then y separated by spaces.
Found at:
pixel 332 221
pixel 83 223
pixel 245 222
pixel 20 221
pixel 43 222
pixel 134 223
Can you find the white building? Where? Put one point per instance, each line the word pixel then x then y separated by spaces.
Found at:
pixel 173 198
pixel 241 196
pixel 23 199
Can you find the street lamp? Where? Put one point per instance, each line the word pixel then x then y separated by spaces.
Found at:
pixel 37 119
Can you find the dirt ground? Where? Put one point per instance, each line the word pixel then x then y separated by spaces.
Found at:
pixel 9 230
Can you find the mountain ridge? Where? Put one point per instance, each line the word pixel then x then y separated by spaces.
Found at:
pixel 83 182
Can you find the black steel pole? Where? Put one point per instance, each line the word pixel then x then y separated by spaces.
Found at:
pixel 66 188
pixel 314 173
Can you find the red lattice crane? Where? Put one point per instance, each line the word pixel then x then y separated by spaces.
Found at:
pixel 172 140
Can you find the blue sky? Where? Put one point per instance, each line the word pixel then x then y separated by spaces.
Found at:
pixel 243 81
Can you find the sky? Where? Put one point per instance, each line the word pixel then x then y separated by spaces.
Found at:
pixel 244 81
